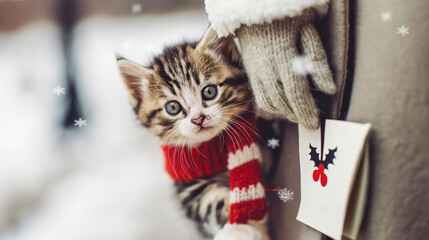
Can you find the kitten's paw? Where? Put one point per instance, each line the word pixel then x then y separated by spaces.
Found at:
pixel 252 231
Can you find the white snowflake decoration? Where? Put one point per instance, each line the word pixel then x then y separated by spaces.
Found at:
pixel 387 16
pixel 80 122
pixel 273 143
pixel 302 65
pixel 285 195
pixel 58 90
pixel 403 30
pixel 136 8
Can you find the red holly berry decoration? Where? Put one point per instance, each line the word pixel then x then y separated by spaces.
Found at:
pixel 320 171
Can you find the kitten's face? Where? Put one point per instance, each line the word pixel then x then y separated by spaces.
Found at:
pixel 191 92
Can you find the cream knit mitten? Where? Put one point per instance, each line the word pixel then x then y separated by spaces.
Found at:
pixel 277 71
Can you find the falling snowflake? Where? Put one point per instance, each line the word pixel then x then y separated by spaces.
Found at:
pixel 58 90
pixel 273 143
pixel 285 195
pixel 403 30
pixel 125 45
pixel 136 8
pixel 149 48
pixel 80 122
pixel 302 65
pixel 386 16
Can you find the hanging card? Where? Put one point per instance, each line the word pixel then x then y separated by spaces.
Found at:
pixel 328 181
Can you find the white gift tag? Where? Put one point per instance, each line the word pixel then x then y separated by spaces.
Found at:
pixel 327 182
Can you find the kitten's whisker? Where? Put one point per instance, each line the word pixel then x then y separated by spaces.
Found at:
pixel 182 146
pixel 199 171
pixel 232 136
pixel 220 134
pixel 247 126
pixel 175 160
pixel 240 126
pixel 239 137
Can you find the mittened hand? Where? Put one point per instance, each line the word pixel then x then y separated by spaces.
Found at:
pixel 278 72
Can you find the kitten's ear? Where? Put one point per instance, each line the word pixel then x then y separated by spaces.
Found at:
pixel 136 78
pixel 224 46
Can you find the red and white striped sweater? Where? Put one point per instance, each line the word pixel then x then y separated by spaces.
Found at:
pixel 238 153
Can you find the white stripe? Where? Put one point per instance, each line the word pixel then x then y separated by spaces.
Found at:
pixel 254 192
pixel 243 156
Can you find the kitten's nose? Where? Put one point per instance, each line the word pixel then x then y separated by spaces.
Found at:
pixel 198 121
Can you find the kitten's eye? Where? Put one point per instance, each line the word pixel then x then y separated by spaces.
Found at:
pixel 173 107
pixel 209 92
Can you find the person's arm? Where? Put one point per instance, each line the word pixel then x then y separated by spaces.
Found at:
pixel 280 47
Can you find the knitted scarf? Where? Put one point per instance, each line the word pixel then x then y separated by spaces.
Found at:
pixel 237 152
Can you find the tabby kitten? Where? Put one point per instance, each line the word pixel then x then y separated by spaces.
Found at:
pixel 188 95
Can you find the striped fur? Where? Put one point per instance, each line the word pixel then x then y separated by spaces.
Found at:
pixel 206 201
pixel 180 74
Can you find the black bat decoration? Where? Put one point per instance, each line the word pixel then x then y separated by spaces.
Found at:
pixel 329 158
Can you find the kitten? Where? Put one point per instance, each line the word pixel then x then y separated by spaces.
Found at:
pixel 190 94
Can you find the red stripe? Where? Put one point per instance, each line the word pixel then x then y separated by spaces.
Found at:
pixel 249 210
pixel 245 175
pixel 184 164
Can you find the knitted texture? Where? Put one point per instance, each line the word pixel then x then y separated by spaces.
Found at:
pixel 277 71
pixel 238 153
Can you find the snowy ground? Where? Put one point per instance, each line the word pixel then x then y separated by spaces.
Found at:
pixel 104 180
